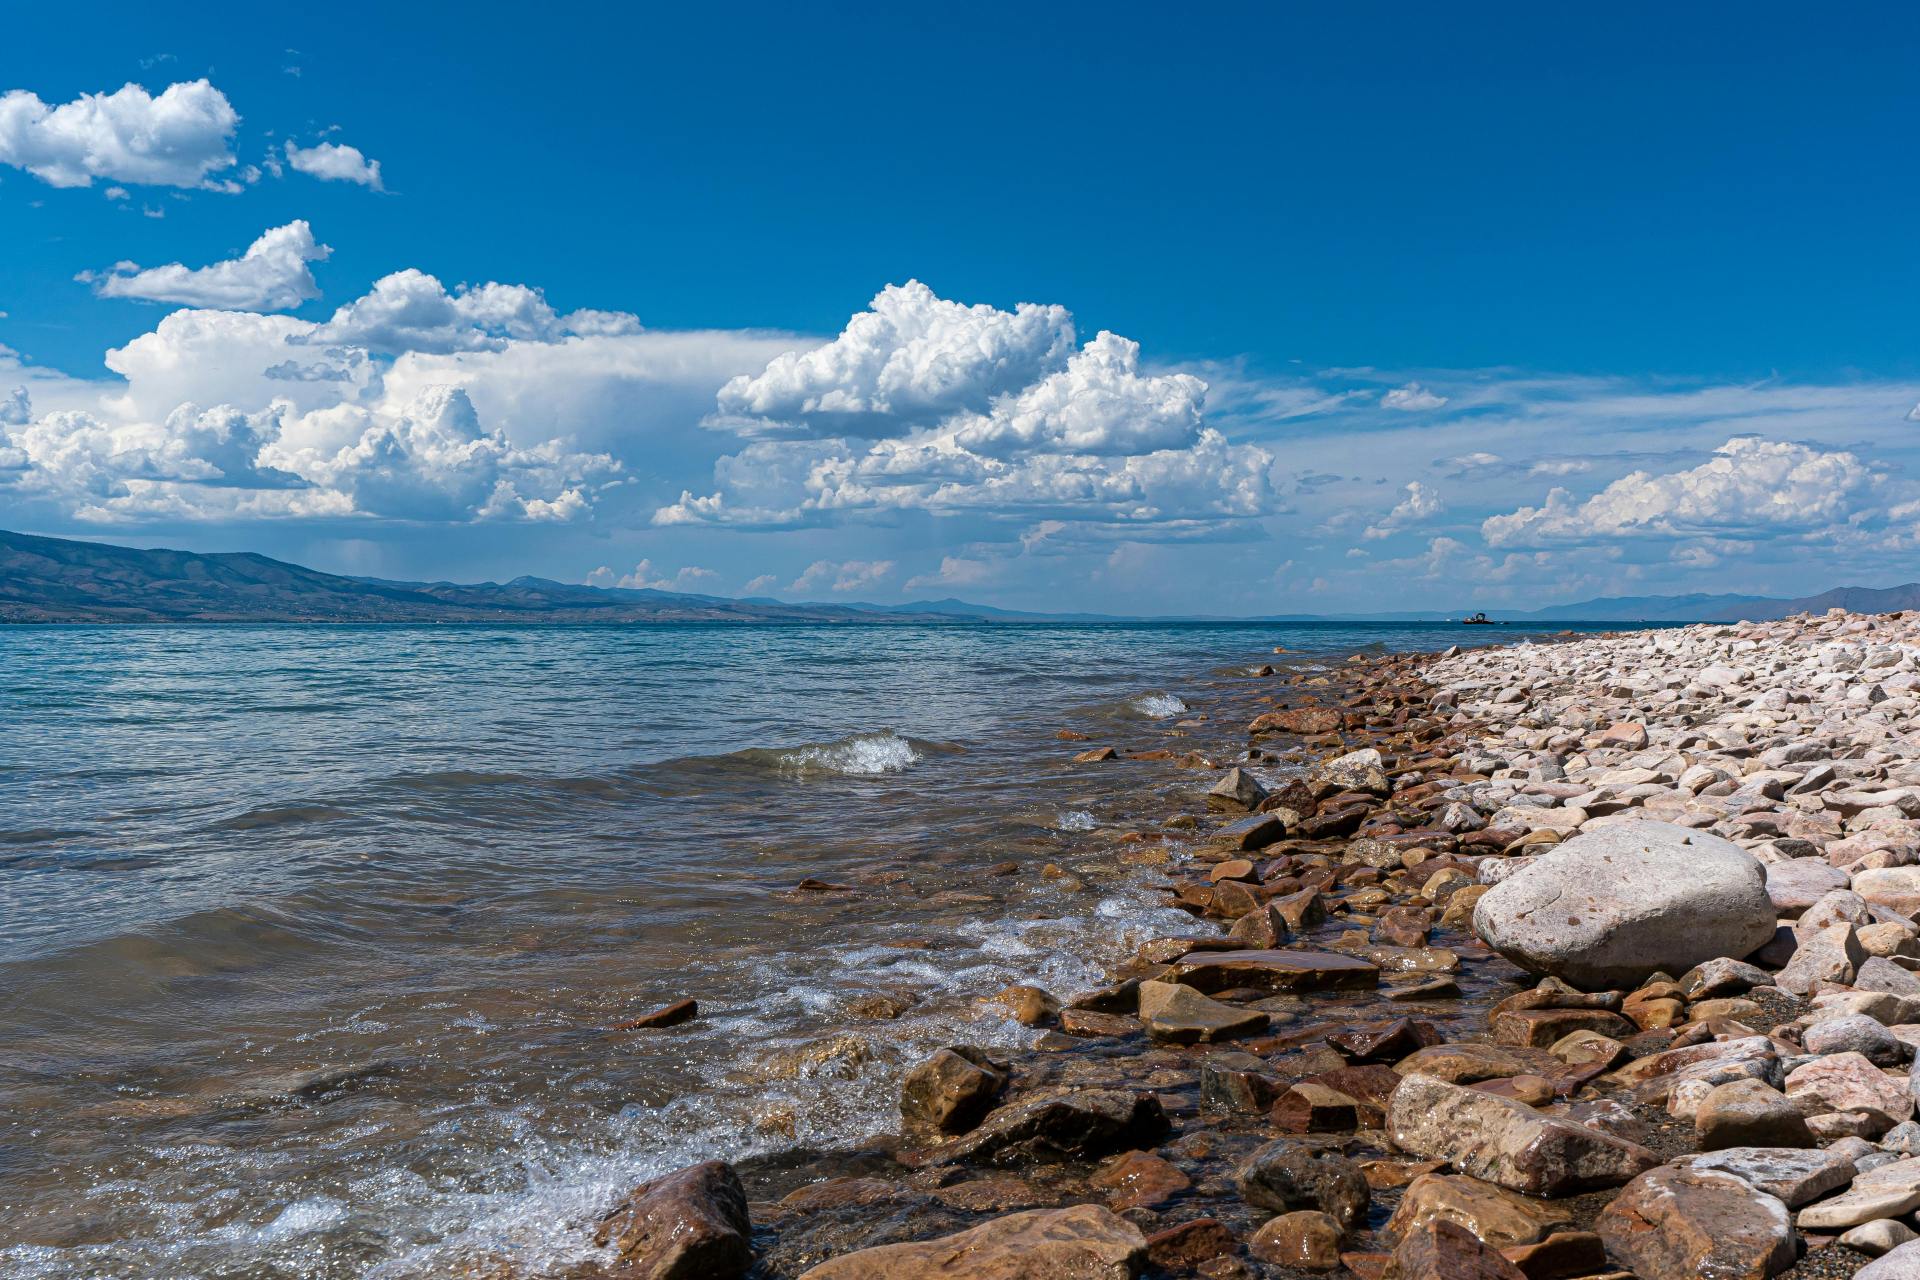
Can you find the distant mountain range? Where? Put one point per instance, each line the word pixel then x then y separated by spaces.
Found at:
pixel 62 580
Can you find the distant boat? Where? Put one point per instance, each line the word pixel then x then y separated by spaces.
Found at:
pixel 1476 620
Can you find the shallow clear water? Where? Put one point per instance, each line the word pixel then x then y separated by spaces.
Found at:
pixel 445 861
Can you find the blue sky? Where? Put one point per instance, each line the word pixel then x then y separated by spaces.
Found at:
pixel 1432 307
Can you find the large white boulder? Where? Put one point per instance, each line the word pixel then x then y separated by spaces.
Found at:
pixel 1610 906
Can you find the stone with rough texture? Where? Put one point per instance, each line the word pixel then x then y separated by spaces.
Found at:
pixel 1896 887
pixel 1306 1239
pixel 1190 1245
pixel 1083 1124
pixel 689 1225
pixel 1444 1250
pixel 1793 1176
pixel 1177 1014
pixel 1355 771
pixel 1506 1142
pixel 1284 1176
pixel 1276 971
pixel 1495 1215
pixel 1882 1235
pixel 1561 1256
pixel 1749 1113
pixel 951 1090
pixel 1884 1191
pixel 1848 1082
pixel 1798 883
pixel 1084 1242
pixel 1830 955
pixel 1855 1033
pixel 1903 1263
pixel 1610 906
pixel 1682 1223
pixel 1300 720
pixel 1238 790
pixel 1137 1179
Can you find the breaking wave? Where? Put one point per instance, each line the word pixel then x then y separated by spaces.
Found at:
pixel 860 755
pixel 1158 706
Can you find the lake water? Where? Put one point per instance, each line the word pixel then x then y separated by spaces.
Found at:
pixel 439 863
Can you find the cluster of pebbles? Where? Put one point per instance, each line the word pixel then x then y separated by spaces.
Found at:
pixel 1580 959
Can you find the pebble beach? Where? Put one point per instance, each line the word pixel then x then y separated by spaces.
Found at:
pixel 1588 957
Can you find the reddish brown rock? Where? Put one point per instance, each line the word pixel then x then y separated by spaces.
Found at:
pixel 1082 1124
pixel 1177 1014
pixel 689 1225
pixel 1314 1108
pixel 1089 1024
pixel 1096 755
pixel 1305 721
pixel 951 1090
pixel 1541 1028
pixel 1276 971
pixel 1561 1256
pixel 1388 1042
pixel 1677 1223
pixel 1238 1082
pixel 1138 1180
pixel 1187 1246
pixel 1443 1250
pixel 1284 1176
pixel 1028 1005
pixel 1493 1214
pixel 671 1015
pixel 1306 1239
pixel 1084 1242
pixel 1506 1142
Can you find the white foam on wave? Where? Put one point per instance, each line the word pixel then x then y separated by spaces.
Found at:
pixel 1074 820
pixel 861 756
pixel 1158 706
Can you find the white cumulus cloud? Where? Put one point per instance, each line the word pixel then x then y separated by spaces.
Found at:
pixel 17 409
pixel 1099 404
pixel 910 358
pixel 272 275
pixel 129 136
pixel 334 162
pixel 1750 485
pixel 411 311
pixel 1421 503
pixel 983 410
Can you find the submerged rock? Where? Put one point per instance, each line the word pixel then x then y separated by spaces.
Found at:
pixel 1306 1239
pixel 1177 1014
pixel 1083 1124
pixel 1237 790
pixel 1611 906
pixel 1277 971
pixel 1284 1176
pixel 1084 1242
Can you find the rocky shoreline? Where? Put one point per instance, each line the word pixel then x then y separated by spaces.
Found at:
pixel 1587 958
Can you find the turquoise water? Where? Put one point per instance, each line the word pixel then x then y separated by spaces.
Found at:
pixel 449 858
